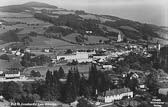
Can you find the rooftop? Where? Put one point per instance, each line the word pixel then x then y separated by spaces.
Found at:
pixel 12 72
pixel 117 91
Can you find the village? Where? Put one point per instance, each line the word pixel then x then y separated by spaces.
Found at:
pixel 97 57
pixel 106 60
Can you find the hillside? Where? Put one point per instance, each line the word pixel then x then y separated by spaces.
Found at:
pixel 65 23
pixel 25 7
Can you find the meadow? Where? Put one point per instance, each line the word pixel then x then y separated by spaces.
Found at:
pixel 44 42
pixel 94 17
pixel 24 21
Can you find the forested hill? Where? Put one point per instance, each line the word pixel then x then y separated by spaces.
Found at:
pixel 107 26
pixel 67 22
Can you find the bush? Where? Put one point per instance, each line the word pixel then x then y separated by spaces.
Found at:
pixel 4 57
pixel 35 73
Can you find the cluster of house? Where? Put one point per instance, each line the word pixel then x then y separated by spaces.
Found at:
pixel 115 94
pixel 90 56
pixel 13 75
pixel 14 51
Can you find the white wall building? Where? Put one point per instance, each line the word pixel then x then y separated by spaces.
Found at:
pixel 12 74
pixel 115 94
pixel 77 56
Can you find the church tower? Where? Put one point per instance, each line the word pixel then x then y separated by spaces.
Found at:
pixel 119 39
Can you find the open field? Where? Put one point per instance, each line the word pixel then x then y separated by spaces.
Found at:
pixel 4 64
pixel 9 14
pixel 13 62
pixel 23 21
pixel 42 42
pixel 129 28
pixel 91 39
pixel 63 12
pixel 27 20
pixel 27 24
pixel 90 16
pixel 94 39
pixel 109 29
pixel 71 37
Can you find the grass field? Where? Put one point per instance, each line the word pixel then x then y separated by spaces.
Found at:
pixel 9 14
pixel 63 12
pixel 42 42
pixel 95 39
pixel 129 28
pixel 71 37
pixel 90 16
pixel 109 29
pixel 27 22
pixel 13 62
pixel 91 39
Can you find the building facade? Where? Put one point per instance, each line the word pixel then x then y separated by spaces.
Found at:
pixel 77 56
pixel 115 94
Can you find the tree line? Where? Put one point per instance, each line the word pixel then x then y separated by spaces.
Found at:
pixel 57 86
pixel 73 21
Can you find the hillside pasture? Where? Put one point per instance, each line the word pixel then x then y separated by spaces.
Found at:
pixel 27 24
pixel 5 28
pixel 63 12
pixel 43 42
pixel 129 28
pixel 90 40
pixel 109 29
pixel 27 20
pixel 94 39
pixel 71 37
pixel 15 15
pixel 94 17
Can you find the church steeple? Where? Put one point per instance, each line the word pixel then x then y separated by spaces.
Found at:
pixel 119 37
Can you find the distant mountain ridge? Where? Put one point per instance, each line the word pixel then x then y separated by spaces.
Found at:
pixel 38 4
pixel 25 6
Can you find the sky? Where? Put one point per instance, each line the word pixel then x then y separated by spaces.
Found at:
pixel 145 11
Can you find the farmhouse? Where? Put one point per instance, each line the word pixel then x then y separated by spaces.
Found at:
pixel 115 94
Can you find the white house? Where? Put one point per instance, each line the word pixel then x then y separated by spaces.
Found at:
pixel 107 67
pixel 89 32
pixel 115 94
pixel 27 50
pixel 12 74
pixel 46 50
pixel 163 91
pixel 1 98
